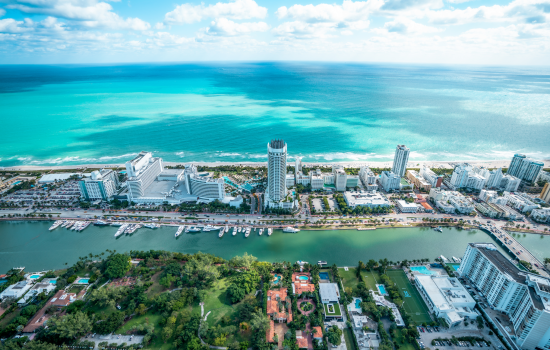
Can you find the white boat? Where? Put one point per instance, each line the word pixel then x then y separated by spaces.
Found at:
pixel 290 230
pixel 455 259
pixel 222 231
pixel 239 229
pixel 208 228
pixel 234 231
pixel 151 226
pixel 55 225
pixel 247 232
pixel 194 229
pixel 444 258
pixel 438 229
pixel 100 223
pixel 116 224
pixel 121 230
pixel 261 231
pixel 179 231
pixel 269 231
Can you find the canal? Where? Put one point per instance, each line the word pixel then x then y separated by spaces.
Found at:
pixel 32 245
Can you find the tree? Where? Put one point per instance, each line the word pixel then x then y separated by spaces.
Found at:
pixel 70 326
pixel 117 265
pixel 259 322
pixel 334 335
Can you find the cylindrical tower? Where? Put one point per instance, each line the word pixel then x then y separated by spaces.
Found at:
pixel 276 170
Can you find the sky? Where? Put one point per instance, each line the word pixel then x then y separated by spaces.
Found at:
pixel 486 32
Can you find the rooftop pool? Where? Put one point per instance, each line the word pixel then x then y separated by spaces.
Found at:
pixel 424 270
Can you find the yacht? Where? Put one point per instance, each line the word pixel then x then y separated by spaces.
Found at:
pixel 121 230
pixel 290 230
pixel 261 231
pixel 151 226
pixel 239 230
pixel 116 224
pixel 269 231
pixel 179 231
pixel 234 231
pixel 247 232
pixel 444 258
pixel 194 229
pixel 222 231
pixel 101 223
pixel 438 229
pixel 56 225
pixel 208 228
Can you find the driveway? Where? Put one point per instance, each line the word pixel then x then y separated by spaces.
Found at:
pixel 136 339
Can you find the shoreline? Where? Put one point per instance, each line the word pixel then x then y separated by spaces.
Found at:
pixel 350 164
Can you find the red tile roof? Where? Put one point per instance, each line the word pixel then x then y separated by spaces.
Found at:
pixel 427 206
pixel 319 333
pixel 270 332
pixel 273 304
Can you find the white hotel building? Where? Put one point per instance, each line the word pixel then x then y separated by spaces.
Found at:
pixel 524 297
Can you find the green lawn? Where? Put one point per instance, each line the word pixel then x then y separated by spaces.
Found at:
pixel 413 305
pixel 217 302
pixel 403 345
pixel 76 288
pixel 336 312
pixel 153 319
pixel 348 277
pixel 371 279
pixel 348 336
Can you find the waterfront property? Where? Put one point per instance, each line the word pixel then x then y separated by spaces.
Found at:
pixel 300 283
pixel 413 304
pixel 369 199
pixel 424 270
pixel 330 297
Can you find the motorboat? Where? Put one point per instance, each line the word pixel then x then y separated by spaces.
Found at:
pixel 290 230
pixel 56 224
pixel 234 231
pixel 121 230
pixel 194 229
pixel 444 258
pixel 117 224
pixel 247 232
pixel 101 223
pixel 438 229
pixel 151 226
pixel 269 231
pixel 208 228
pixel 179 231
pixel 239 229
pixel 261 231
pixel 222 231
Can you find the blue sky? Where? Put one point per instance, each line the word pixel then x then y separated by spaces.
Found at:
pixel 490 32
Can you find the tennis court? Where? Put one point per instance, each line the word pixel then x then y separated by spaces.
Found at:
pixel 414 305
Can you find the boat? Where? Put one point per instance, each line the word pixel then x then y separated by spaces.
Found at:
pixel 121 230
pixel 301 263
pixel 261 231
pixel 151 226
pixel 234 231
pixel 56 224
pixel 455 259
pixel 239 229
pixel 194 229
pixel 101 223
pixel 179 231
pixel 322 262
pixel 222 231
pixel 269 231
pixel 290 230
pixel 208 228
pixel 444 258
pixel 247 232
pixel 438 229
pixel 116 224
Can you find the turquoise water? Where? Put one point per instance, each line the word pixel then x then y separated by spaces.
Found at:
pixel 358 303
pixel 382 289
pixel 53 281
pixel 34 276
pixel 424 270
pixel 83 280
pixel 303 278
pixel 277 279
pixel 228 112
pixel 323 275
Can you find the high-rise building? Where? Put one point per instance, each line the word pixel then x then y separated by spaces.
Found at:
pixel 428 174
pixel 340 178
pixel 465 176
pixel 101 185
pixel 298 165
pixel 203 187
pixel 524 297
pixel 524 168
pixel 400 160
pixel 276 171
pixel 368 178
pixel 390 181
pixel 545 194
pixel 142 171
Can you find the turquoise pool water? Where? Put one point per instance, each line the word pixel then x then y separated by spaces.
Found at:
pixel 53 281
pixel 357 303
pixel 84 280
pixel 34 276
pixel 277 279
pixel 424 270
pixel 382 289
pixel 323 275
pixel 303 278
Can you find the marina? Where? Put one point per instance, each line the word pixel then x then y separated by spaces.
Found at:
pixel 31 244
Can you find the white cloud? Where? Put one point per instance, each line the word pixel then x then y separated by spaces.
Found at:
pixel 9 25
pixel 226 27
pixel 303 30
pixel 2 12
pixel 88 13
pixel 239 9
pixel 349 11
pixel 402 25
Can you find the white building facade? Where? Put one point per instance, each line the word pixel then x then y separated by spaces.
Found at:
pixel 522 296
pixel 203 187
pixel 142 171
pixel 526 169
pixel 101 185
pixel 400 160
pixel 390 181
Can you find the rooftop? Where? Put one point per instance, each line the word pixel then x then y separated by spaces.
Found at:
pixel 500 261
pixel 329 291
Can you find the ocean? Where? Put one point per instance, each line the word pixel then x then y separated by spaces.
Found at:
pixel 326 112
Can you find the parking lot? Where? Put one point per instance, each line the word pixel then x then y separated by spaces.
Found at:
pixel 429 334
pixel 114 339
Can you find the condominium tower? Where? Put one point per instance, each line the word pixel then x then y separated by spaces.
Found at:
pixel 142 171
pixel 276 170
pixel 525 168
pixel 400 160
pixel 524 297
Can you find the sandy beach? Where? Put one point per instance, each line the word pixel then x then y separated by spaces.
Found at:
pixel 416 164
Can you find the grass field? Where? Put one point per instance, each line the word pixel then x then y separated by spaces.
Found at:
pixel 348 277
pixel 217 302
pixel 414 305
pixel 371 279
pixel 348 336
pixel 403 345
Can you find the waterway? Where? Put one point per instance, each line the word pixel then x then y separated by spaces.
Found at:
pixel 32 245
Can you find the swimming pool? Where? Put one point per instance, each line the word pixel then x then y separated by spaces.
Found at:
pixel 381 289
pixel 277 279
pixel 323 275
pixel 424 270
pixel 16 183
pixel 358 303
pixel 53 281
pixel 303 278
pixel 34 276
pixel 83 280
